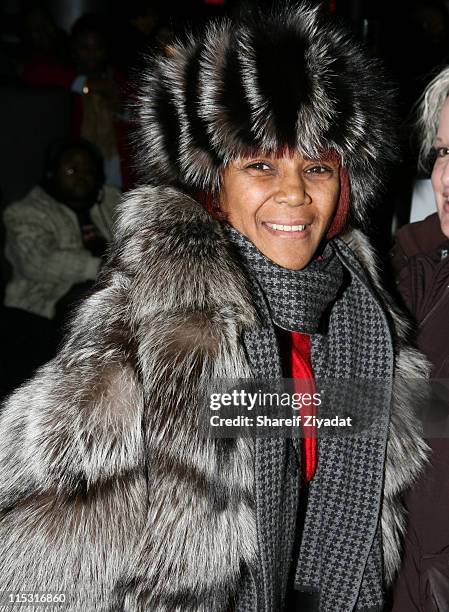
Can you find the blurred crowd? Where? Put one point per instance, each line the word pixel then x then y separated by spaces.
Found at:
pixel 66 112
pixel 95 62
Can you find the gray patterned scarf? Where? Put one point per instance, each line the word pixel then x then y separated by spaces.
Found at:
pixel 340 558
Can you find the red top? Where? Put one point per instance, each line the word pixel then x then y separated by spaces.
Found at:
pixel 296 349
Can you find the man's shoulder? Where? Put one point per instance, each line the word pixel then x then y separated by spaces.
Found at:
pixel 36 203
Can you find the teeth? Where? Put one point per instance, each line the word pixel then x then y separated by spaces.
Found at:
pixel 287 228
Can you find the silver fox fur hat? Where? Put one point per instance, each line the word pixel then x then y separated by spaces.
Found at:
pixel 292 79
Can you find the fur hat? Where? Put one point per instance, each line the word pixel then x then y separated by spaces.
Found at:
pixel 291 79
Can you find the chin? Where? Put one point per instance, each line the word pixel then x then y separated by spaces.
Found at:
pixel 296 267
pixel 289 258
pixel 294 258
pixel 290 264
pixel 294 261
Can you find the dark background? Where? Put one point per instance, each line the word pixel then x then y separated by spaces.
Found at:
pixel 411 37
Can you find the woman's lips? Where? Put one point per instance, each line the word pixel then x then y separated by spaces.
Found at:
pixel 294 230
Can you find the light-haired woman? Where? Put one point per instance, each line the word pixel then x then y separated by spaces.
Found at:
pixel 421 262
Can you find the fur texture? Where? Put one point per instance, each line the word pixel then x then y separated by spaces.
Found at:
pixel 290 79
pixel 107 491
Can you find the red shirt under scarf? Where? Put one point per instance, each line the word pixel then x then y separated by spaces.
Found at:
pixel 295 349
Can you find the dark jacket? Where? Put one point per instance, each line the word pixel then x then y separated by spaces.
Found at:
pixel 421 263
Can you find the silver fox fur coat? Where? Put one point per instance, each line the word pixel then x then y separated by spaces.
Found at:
pixel 106 490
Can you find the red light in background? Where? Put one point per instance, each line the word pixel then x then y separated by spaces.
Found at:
pixel 332 6
pixel 215 2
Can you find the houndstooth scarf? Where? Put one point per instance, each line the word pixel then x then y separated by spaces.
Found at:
pixel 339 564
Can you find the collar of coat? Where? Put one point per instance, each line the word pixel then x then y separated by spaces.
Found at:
pixel 162 516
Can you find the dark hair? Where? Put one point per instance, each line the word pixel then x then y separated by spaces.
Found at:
pixel 59 148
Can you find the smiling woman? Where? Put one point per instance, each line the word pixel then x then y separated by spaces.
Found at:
pixel 108 488
pixel 283 205
pixel 421 262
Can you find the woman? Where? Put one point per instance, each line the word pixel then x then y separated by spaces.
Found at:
pixel 277 126
pixel 421 262
pixel 56 237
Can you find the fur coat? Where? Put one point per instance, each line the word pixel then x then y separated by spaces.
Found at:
pixel 107 492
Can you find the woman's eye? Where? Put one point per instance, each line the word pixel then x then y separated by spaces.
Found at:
pixel 261 166
pixel 441 151
pixel 320 170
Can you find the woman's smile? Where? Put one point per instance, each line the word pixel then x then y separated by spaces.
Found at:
pixel 295 231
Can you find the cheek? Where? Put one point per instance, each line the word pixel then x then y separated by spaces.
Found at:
pixel 242 213
pixel 240 202
pixel 433 176
pixel 338 209
pixel 329 201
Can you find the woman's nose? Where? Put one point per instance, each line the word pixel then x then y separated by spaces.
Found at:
pixel 292 191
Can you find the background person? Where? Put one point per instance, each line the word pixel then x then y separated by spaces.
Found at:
pixel 421 261
pixel 277 124
pixel 55 239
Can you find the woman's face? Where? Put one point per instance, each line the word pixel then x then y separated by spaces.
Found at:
pixel 440 172
pixel 284 205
